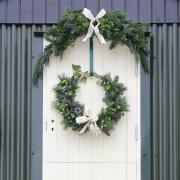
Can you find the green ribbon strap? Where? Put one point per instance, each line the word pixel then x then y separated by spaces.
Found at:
pixel 91 57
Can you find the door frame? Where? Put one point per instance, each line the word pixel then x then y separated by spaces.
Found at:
pixel 37 117
pixel 145 121
pixel 37 112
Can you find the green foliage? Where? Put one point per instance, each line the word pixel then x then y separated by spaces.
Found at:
pixel 115 27
pixel 43 59
pixel 115 101
pixel 65 103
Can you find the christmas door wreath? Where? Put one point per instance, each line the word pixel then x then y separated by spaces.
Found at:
pixel 76 116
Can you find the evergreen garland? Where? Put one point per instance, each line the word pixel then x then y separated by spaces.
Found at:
pixel 65 103
pixel 114 26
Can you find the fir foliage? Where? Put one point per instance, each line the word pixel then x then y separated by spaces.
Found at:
pixel 114 26
pixel 65 103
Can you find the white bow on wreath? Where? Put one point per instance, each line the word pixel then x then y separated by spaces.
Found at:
pixel 87 13
pixel 90 119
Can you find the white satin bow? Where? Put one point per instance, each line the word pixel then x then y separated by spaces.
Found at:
pixel 90 119
pixel 87 13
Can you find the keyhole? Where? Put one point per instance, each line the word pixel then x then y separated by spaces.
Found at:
pixel 52 129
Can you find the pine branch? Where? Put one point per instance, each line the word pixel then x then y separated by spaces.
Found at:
pixel 114 26
pixel 43 60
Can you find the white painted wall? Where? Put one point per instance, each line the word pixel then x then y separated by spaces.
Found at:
pixel 68 156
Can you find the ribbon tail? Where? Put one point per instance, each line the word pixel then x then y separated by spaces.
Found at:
pixel 94 129
pixel 89 33
pixel 97 130
pixel 100 37
pixel 101 13
pixel 87 13
pixel 84 128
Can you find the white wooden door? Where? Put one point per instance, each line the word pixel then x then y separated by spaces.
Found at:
pixel 69 156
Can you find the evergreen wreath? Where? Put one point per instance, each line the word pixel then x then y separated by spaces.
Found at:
pixel 114 26
pixel 71 110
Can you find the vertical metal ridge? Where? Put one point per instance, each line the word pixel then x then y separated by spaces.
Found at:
pixel 1 103
pixel 159 101
pixel 178 102
pixel 12 114
pixel 29 82
pixel 18 120
pixel 23 59
pixel 8 100
pixel 174 80
pixel 164 104
pixel 3 45
pixel 170 95
pixel 154 106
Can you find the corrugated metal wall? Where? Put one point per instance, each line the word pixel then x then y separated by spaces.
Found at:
pixel 165 83
pixel 15 101
pixel 49 11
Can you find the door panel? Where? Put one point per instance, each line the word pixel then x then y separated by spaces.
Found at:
pixel 67 155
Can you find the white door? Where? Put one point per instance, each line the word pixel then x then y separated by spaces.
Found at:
pixel 69 156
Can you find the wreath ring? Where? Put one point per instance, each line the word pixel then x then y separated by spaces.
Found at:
pixel 76 116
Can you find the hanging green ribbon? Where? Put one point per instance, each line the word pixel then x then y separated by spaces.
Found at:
pixel 91 57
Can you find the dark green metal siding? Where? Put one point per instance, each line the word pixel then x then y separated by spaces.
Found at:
pixel 165 83
pixel 16 47
pixel 15 101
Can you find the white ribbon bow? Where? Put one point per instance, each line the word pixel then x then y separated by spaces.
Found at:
pixel 87 13
pixel 90 119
